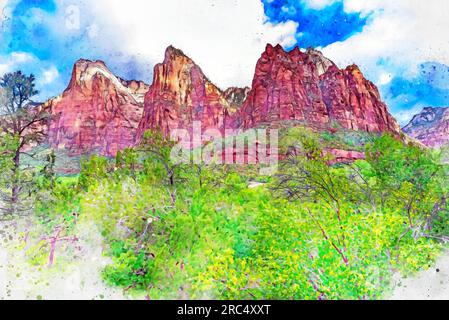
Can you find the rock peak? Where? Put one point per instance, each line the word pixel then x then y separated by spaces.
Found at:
pixel 307 88
pixel 98 112
pixel 432 109
pixel 270 49
pixel 279 47
pixel 181 94
pixel 321 62
pixel 82 66
pixel 84 62
pixel 354 69
pixel 172 53
pixel 84 70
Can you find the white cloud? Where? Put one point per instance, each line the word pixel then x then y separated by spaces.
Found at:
pixel 2 6
pixel 5 11
pixel 225 38
pixel 12 61
pixel 49 75
pixel 283 33
pixel 385 78
pixel 318 4
pixel 403 33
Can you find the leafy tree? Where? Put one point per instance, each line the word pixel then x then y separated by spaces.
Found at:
pixel 48 171
pixel 21 120
pixel 305 173
pixel 156 150
pixel 410 178
pixel 127 162
pixel 93 170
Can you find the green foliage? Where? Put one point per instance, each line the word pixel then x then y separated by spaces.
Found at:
pixel 17 120
pixel 17 183
pixel 58 205
pixel 339 138
pixel 298 262
pixel 93 170
pixel 237 243
pixel 314 231
pixel 127 162
pixel 409 178
pixel 8 144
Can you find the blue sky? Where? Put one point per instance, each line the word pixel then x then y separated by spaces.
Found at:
pixel 226 38
pixel 317 27
pixel 429 88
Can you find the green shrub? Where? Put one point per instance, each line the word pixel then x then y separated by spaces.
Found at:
pixel 314 231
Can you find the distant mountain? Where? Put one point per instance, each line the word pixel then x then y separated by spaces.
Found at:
pixel 430 127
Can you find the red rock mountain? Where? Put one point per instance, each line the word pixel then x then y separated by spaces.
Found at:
pixel 430 127
pixel 98 112
pixel 181 94
pixel 305 87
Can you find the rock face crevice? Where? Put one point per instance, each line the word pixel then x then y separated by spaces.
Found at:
pixel 430 127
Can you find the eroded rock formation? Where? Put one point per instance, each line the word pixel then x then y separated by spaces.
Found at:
pixel 307 88
pixel 98 112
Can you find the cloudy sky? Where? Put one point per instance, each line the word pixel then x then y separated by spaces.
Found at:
pixel 401 45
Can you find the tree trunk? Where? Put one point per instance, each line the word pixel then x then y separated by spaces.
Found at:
pixel 15 182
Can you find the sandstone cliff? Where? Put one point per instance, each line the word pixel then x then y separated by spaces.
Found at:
pixel 98 112
pixel 181 94
pixel 307 88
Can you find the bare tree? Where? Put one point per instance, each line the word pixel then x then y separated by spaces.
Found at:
pixel 22 121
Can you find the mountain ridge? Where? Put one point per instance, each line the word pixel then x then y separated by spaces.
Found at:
pixel 309 88
pixel 430 127
pixel 100 112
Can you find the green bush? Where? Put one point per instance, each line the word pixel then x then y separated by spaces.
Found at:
pixel 314 231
